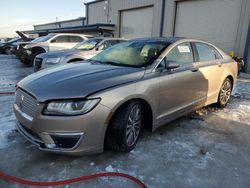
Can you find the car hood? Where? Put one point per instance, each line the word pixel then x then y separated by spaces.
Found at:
pixel 77 80
pixel 29 45
pixel 64 53
pixel 59 53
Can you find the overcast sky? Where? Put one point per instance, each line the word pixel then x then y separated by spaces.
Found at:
pixel 23 14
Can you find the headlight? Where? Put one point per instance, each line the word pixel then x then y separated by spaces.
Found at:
pixel 53 60
pixel 71 107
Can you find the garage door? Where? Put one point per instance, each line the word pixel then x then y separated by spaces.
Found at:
pixel 136 23
pixel 215 21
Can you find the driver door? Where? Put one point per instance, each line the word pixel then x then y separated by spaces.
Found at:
pixel 60 43
pixel 181 89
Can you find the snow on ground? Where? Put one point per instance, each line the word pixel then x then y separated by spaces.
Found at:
pixel 7 128
pixel 210 148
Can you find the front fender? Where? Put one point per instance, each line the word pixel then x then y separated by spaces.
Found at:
pixel 72 57
pixel 146 90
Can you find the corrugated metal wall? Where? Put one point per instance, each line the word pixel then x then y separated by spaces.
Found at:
pixel 61 24
pixel 97 14
pixel 47 26
pixel 72 23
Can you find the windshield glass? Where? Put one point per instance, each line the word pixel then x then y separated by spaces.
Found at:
pixel 42 39
pixel 87 44
pixel 132 53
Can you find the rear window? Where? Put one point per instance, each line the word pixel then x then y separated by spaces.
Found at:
pixel 61 39
pixel 207 52
pixel 75 39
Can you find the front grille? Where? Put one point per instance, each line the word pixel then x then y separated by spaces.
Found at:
pixel 26 103
pixel 37 64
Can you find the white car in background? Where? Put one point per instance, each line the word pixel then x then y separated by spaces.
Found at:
pixel 82 51
pixel 48 43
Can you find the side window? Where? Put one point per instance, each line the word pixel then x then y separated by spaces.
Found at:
pixel 206 52
pixel 75 39
pixel 108 43
pixel 61 39
pixel 181 54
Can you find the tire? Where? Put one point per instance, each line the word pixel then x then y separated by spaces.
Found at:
pixel 225 93
pixel 24 60
pixel 32 58
pixel 7 51
pixel 125 128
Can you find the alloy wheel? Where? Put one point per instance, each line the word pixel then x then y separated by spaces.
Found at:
pixel 133 125
pixel 225 92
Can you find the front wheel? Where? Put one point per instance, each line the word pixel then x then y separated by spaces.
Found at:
pixel 7 51
pixel 32 58
pixel 125 128
pixel 225 93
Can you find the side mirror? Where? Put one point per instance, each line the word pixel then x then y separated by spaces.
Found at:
pixel 171 65
pixel 53 41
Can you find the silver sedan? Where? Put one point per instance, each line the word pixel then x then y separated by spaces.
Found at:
pixel 109 99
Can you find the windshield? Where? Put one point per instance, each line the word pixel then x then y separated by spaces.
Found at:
pixel 132 53
pixel 87 44
pixel 42 39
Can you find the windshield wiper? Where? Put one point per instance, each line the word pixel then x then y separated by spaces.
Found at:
pixel 120 64
pixel 112 63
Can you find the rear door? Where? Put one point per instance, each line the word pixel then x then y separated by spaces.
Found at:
pixel 74 40
pixel 63 42
pixel 210 64
pixel 183 88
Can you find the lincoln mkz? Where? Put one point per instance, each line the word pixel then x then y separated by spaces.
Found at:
pixel 106 101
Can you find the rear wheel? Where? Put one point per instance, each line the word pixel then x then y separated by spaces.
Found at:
pixel 225 93
pixel 125 128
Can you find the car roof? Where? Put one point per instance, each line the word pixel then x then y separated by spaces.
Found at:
pixel 108 38
pixel 76 34
pixel 159 39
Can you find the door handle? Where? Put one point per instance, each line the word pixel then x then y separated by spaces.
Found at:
pixel 194 69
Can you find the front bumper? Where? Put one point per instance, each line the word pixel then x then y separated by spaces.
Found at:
pixel 24 55
pixel 65 134
pixel 40 64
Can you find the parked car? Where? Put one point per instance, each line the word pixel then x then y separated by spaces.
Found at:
pixel 82 51
pixel 142 83
pixel 2 40
pixel 51 42
pixel 6 47
pixel 10 46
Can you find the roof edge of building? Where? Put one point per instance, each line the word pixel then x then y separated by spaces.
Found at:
pixel 63 21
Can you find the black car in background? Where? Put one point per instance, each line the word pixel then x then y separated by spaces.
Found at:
pixel 10 47
pixel 7 47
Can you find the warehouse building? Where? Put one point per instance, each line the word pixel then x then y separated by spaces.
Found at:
pixel 224 23
pixel 72 26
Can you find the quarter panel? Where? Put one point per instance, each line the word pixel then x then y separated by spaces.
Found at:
pixel 216 73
